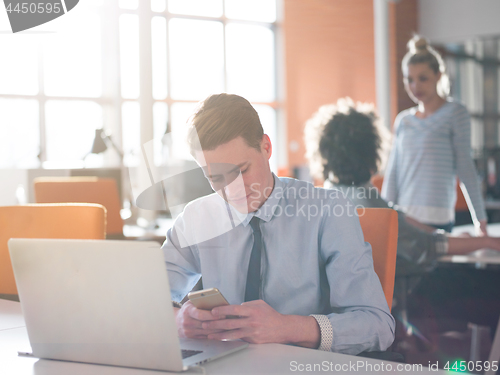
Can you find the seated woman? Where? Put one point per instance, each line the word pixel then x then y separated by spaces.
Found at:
pixel 345 145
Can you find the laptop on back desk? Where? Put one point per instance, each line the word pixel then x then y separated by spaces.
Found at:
pixel 103 302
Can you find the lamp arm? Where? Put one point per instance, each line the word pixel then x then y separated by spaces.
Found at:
pixel 110 140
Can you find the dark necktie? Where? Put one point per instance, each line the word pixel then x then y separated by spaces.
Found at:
pixel 253 276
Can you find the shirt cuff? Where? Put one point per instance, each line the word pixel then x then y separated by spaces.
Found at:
pixel 441 243
pixel 326 331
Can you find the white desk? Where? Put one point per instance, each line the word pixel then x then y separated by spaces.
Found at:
pixel 481 258
pixel 163 225
pixel 159 233
pixel 11 315
pixel 257 359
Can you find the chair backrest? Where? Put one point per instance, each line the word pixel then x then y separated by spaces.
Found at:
pixel 84 190
pixel 72 221
pixel 380 229
pixel 377 181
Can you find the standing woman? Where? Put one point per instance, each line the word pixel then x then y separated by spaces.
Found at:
pixel 431 147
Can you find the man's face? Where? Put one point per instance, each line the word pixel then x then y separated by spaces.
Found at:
pixel 223 165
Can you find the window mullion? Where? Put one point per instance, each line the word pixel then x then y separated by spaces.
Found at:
pixel 111 99
pixel 168 17
pixel 41 107
pixel 224 24
pixel 145 73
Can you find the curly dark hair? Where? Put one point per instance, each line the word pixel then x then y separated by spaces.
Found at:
pixel 344 140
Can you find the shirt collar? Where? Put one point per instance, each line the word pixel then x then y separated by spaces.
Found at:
pixel 267 210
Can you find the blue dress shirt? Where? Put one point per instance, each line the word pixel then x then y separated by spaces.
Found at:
pixel 314 260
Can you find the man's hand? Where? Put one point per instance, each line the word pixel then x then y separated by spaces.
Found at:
pixel 189 321
pixel 259 323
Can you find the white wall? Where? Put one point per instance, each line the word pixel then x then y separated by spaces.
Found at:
pixel 10 181
pixel 458 20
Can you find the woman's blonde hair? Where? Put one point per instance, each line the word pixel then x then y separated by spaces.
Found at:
pixel 420 52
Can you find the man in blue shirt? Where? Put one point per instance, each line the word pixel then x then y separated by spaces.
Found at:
pixel 317 287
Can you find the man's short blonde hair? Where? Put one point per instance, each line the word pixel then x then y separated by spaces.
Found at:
pixel 221 118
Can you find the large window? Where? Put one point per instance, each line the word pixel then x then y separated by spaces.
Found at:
pixel 136 69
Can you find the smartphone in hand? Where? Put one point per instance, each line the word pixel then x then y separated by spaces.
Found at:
pixel 207 299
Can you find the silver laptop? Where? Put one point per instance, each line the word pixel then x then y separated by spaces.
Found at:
pixel 104 302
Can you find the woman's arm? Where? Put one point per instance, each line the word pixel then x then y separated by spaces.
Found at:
pixel 390 187
pixel 420 244
pixel 466 170
pixel 461 245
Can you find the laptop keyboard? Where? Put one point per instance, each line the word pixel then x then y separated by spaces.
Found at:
pixel 189 353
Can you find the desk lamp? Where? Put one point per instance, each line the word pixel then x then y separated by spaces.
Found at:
pixel 100 144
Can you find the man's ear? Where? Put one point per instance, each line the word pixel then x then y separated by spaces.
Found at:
pixel 266 146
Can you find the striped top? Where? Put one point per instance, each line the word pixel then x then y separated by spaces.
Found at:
pixel 426 158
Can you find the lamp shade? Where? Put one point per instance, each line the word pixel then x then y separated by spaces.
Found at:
pixel 99 145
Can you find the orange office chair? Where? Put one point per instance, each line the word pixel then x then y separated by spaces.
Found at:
pixel 377 181
pixel 380 229
pixel 73 221
pixel 84 190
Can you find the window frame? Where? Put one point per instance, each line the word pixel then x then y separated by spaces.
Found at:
pixel 111 99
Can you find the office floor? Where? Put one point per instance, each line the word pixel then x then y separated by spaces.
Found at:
pixel 451 346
